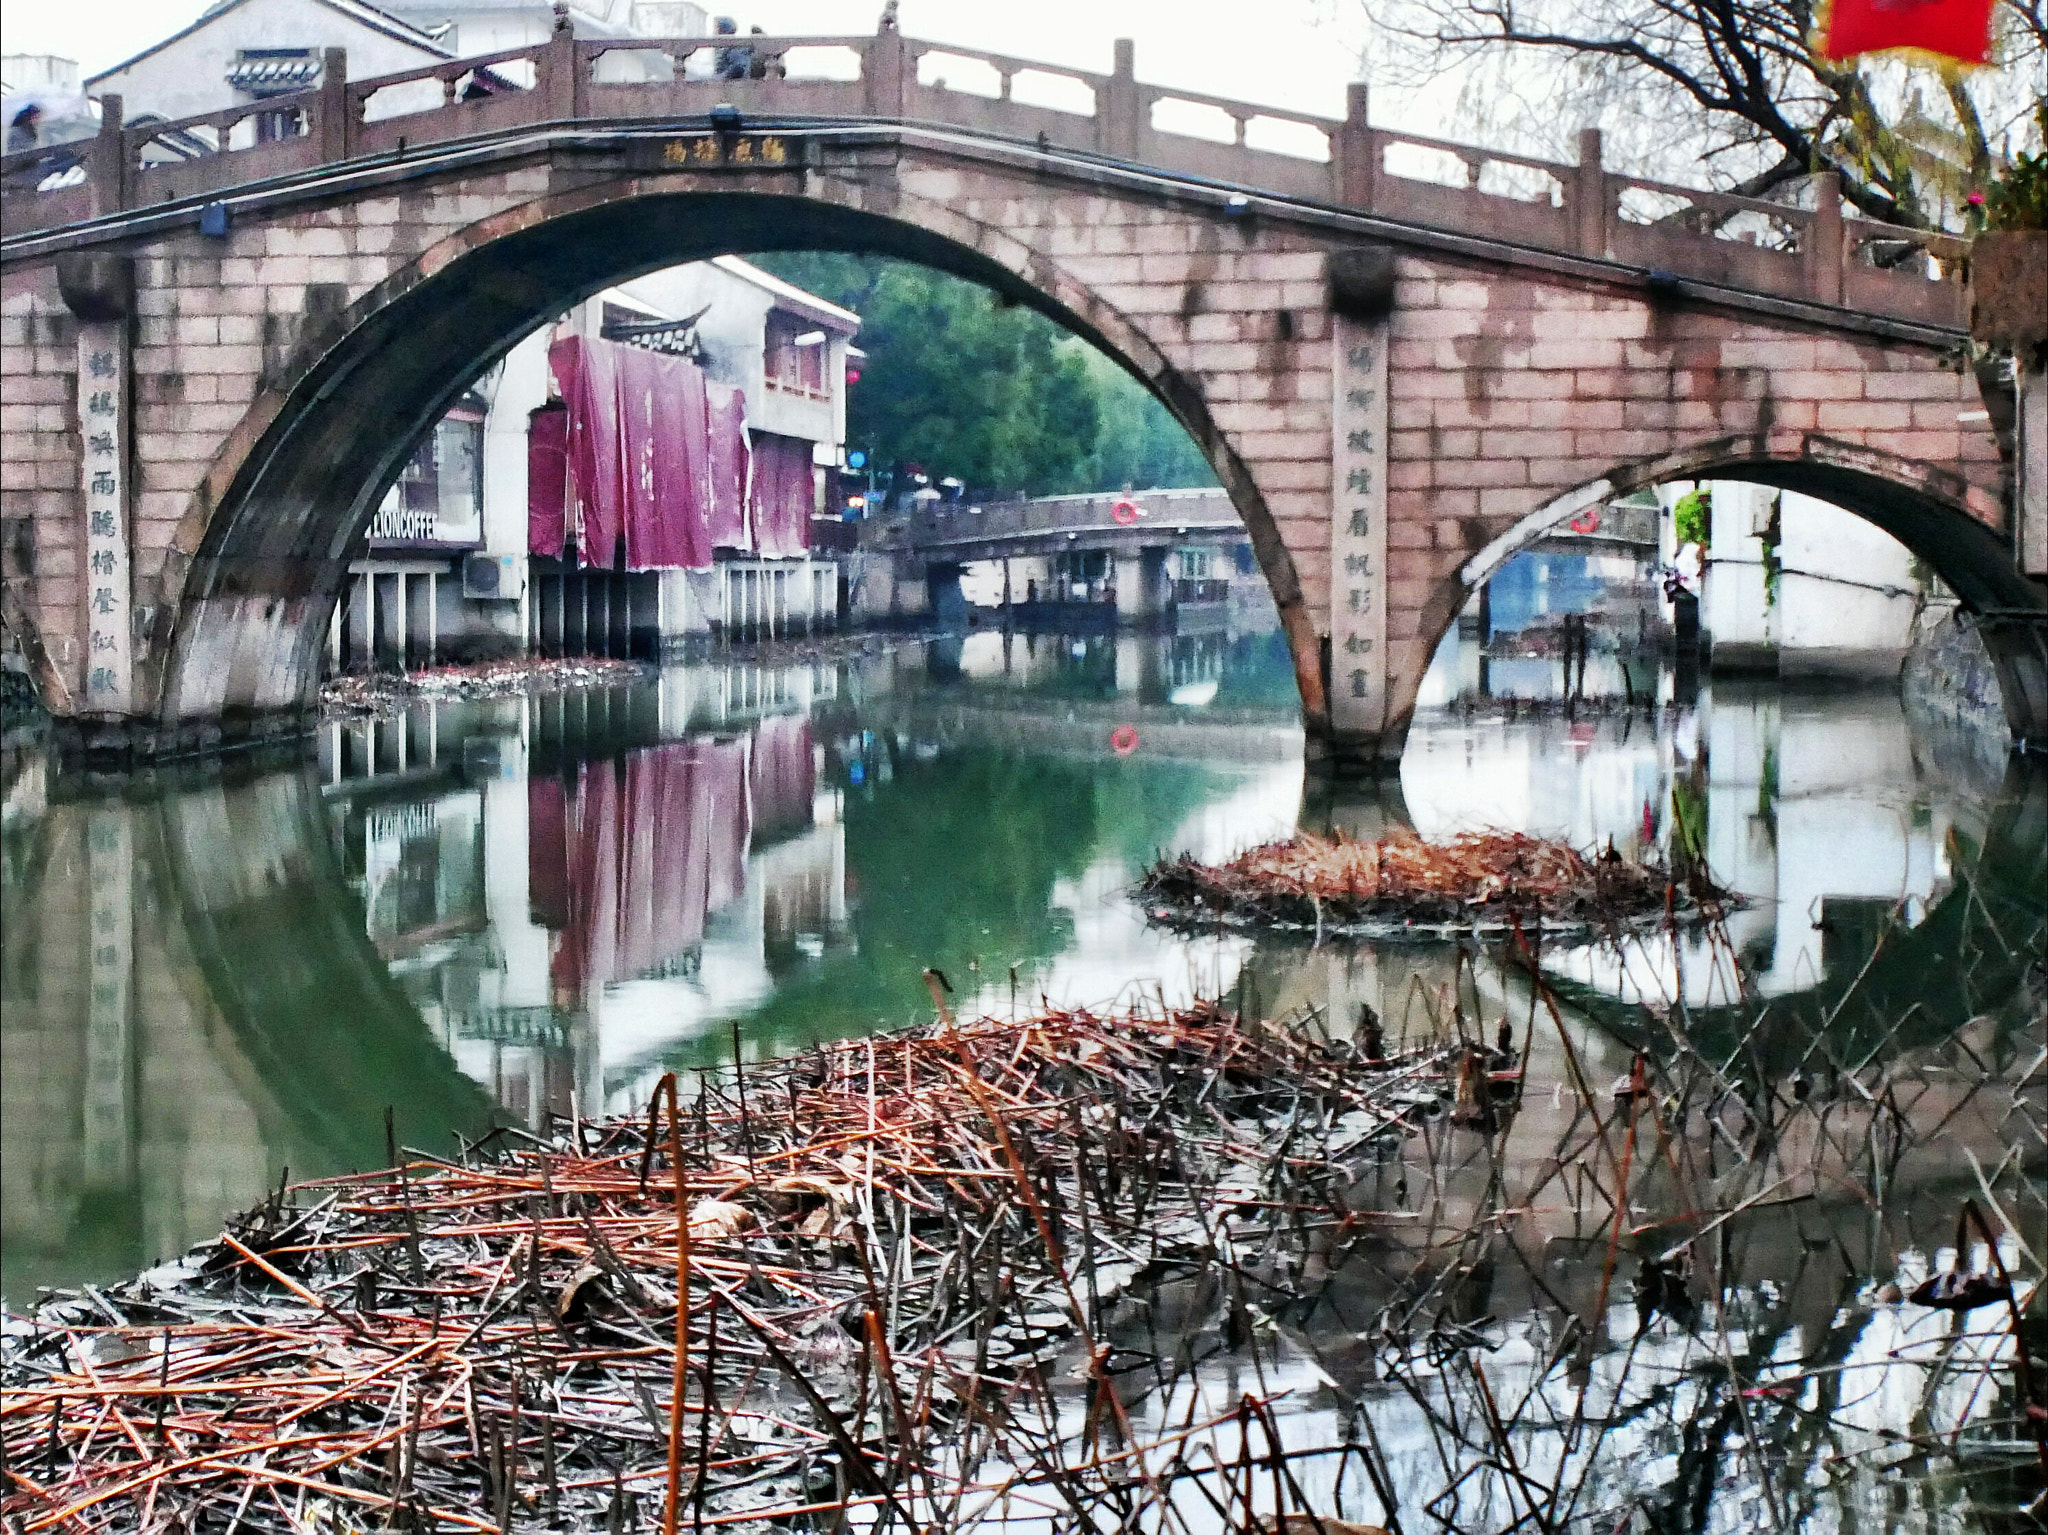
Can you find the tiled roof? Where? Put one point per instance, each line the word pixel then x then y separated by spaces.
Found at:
pixel 288 73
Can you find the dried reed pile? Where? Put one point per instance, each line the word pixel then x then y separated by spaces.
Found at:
pixel 1477 881
pixel 892 1245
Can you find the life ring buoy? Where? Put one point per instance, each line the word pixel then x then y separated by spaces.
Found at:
pixel 1587 521
pixel 1126 512
pixel 1124 740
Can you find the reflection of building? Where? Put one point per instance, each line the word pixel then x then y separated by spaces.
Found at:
pixel 1815 809
pixel 559 912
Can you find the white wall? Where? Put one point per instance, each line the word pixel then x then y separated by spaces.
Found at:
pixel 732 334
pixel 1733 607
pixel 189 75
pixel 484 27
pixel 1846 583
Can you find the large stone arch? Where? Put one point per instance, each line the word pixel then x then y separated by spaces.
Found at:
pixel 269 527
pixel 1942 518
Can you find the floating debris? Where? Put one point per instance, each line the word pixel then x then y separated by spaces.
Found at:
pixel 1401 885
pixel 362 695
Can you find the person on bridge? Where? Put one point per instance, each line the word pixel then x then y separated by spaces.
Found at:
pixel 733 63
pixel 25 132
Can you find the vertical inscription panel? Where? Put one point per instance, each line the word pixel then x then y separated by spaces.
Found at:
pixel 1358 529
pixel 103 428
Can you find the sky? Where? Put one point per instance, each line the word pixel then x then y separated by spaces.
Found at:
pixel 1285 52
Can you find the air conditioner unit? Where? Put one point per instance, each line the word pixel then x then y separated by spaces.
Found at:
pixel 493 575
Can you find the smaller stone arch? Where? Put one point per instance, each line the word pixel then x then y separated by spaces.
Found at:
pixel 1945 521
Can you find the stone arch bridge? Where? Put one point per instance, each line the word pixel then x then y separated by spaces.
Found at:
pixel 1403 357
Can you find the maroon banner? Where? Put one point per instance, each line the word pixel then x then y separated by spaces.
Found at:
pixel 547 480
pixel 784 489
pixel 664 431
pixel 731 462
pixel 586 374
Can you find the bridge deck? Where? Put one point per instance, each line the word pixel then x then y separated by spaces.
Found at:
pixel 80 192
pixel 1148 519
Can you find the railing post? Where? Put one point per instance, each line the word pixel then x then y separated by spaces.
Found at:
pixel 333 123
pixel 1589 192
pixel 561 74
pixel 110 159
pixel 1116 115
pixel 1356 156
pixel 1823 251
pixel 885 72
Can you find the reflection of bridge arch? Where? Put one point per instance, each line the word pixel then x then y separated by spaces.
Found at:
pixel 1968 955
pixel 194 1004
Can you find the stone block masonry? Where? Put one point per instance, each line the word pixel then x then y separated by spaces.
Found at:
pixel 278 370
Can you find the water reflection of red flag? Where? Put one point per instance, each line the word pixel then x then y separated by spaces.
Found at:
pixel 1953 29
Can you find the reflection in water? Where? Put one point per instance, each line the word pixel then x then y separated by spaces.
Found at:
pixel 516 908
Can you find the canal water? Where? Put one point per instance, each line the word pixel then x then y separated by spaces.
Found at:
pixel 498 911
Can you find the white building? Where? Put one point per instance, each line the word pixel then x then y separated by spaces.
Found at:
pixel 471 27
pixel 243 51
pixel 448 571
pixel 1798 587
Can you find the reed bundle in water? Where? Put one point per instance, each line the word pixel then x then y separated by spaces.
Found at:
pixel 1477 881
pixel 892 1245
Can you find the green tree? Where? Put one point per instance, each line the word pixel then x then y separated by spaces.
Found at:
pixel 964 383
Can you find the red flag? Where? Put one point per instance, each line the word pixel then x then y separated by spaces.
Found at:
pixel 1955 29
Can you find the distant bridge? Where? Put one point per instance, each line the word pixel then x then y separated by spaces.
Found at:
pixel 1112 548
pixel 1404 358
pixel 1150 519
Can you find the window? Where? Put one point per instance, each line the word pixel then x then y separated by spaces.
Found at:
pixel 794 354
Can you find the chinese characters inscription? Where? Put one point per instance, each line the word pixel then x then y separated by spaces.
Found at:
pixel 102 402
pixel 1358 528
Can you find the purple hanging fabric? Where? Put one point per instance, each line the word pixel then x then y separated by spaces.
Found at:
pixel 586 374
pixel 730 463
pixel 783 488
pixel 547 480
pixel 665 449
